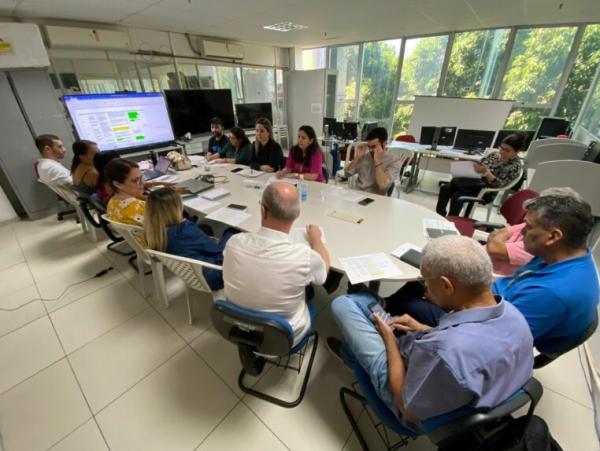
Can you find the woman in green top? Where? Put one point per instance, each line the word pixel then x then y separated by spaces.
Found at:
pixel 238 150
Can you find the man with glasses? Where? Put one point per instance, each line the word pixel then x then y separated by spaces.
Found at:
pixel 478 355
pixel 267 271
pixel 376 168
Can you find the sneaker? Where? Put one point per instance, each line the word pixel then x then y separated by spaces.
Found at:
pixel 335 347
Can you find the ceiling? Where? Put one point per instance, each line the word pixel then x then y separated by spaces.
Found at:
pixel 329 21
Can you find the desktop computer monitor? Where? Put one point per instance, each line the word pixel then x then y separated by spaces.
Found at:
pixel 551 127
pixel 366 129
pixel 472 140
pixel 504 133
pixel 330 121
pixel 350 130
pixel 445 135
pixel 248 113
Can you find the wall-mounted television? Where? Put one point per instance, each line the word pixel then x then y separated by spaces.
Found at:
pixel 247 113
pixel 192 109
pixel 122 122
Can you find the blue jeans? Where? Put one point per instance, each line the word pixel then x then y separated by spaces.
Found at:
pixel 362 343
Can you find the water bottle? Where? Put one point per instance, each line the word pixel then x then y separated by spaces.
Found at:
pixel 303 187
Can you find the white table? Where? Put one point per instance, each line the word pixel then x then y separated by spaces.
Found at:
pixel 387 222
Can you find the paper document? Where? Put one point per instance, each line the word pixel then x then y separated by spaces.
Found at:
pixel 218 165
pixel 215 193
pixel 230 216
pixel 434 228
pixel 200 204
pixel 401 250
pixel 274 178
pixel 464 169
pixel 167 178
pixel 347 194
pixel 196 159
pixel 249 172
pixel 298 235
pixel 369 267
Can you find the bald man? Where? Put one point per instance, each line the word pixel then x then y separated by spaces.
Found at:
pixel 267 271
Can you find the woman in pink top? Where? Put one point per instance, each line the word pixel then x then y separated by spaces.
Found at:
pixel 305 159
pixel 506 248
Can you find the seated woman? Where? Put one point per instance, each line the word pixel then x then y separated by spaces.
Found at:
pixel 305 159
pixel 238 150
pixel 497 170
pixel 267 155
pixel 167 231
pixel 101 160
pixel 126 186
pixel 85 175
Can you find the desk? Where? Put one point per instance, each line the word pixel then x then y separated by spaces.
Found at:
pixel 386 224
pixel 423 150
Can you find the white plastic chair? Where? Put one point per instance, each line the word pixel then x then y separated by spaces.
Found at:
pixel 541 151
pixel 188 270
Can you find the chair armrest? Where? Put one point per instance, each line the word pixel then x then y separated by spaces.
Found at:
pixel 488 225
pixel 470 199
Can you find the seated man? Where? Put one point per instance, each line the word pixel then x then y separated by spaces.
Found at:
pixel 269 272
pixel 557 291
pixel 217 140
pixel 49 168
pixel 478 355
pixel 377 169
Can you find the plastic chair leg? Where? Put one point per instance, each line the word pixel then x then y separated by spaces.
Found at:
pixel 158 278
pixel 188 301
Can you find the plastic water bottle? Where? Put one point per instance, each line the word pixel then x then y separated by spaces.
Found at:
pixel 303 188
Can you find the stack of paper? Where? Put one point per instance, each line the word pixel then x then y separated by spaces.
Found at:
pixel 274 178
pixel 230 216
pixel 464 169
pixel 249 172
pixel 200 204
pixel 346 194
pixel 196 159
pixel 369 267
pixel 215 193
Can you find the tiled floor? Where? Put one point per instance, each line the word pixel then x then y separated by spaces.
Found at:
pixel 103 368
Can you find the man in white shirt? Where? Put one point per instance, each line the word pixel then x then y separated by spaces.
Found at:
pixel 267 271
pixel 49 168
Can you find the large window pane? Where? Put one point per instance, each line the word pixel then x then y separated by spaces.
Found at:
pixel 188 76
pixel 129 76
pixel 230 78
pixel 281 111
pixel 422 66
pixel 380 64
pixel 474 63
pixel 590 118
pixel 536 64
pixel 314 59
pixel 402 118
pixel 345 61
pixel 580 78
pixel 522 118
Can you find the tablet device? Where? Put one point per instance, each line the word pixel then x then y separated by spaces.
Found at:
pixel 412 257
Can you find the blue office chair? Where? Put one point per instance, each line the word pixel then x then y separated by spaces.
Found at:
pixel 262 338
pixel 464 425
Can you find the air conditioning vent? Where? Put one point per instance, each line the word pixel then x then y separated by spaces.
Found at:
pixel 77 38
pixel 216 49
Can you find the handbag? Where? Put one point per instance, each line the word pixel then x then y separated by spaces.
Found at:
pixel 178 161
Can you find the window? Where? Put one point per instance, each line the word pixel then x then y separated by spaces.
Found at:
pixel 345 61
pixel 536 64
pixel 280 112
pixel 259 85
pixel 230 78
pixel 590 117
pixel 582 73
pixel 522 118
pixel 474 63
pixel 379 74
pixel 128 76
pixel 188 76
pixel 314 59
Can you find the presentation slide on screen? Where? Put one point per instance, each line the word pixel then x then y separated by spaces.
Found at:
pixel 119 121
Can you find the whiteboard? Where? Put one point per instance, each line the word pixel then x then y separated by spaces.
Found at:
pixel 474 114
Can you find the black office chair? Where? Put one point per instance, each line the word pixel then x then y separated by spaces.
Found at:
pixel 541 360
pixel 262 338
pixel 465 428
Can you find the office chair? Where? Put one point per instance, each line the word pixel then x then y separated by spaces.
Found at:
pixel 541 360
pixel 464 425
pixel 66 208
pixel 263 338
pixel 405 138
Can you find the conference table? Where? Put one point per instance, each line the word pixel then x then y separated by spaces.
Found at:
pixel 385 223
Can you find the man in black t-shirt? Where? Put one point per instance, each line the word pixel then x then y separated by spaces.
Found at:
pixel 218 140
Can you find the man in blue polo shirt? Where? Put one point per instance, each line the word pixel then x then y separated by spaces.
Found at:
pixel 478 355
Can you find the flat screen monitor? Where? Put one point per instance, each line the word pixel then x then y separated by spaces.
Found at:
pixel 330 121
pixel 121 122
pixel 350 130
pixel 504 133
pixel 473 139
pixel 192 109
pixel 446 138
pixel 366 129
pixel 551 127
pixel 247 113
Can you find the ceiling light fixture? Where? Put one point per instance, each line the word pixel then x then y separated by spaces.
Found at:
pixel 285 26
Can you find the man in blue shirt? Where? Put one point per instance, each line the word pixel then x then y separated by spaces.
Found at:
pixel 218 140
pixel 478 355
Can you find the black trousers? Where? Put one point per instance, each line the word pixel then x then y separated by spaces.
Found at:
pixel 450 192
pixel 410 300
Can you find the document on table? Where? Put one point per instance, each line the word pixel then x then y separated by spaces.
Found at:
pixel 465 169
pixel 249 172
pixel 368 267
pixel 346 194
pixel 215 193
pixel 219 165
pixel 230 216
pixel 274 178
pixel 167 178
pixel 196 159
pixel 298 235
pixel 434 228
pixel 200 204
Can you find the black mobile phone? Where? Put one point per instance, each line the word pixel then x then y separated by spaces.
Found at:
pixel 412 257
pixel 237 206
pixel 237 169
pixel 366 201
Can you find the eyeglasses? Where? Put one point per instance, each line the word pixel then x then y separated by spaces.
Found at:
pixel 137 180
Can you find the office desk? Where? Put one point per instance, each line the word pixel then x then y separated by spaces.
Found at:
pixel 422 150
pixel 387 222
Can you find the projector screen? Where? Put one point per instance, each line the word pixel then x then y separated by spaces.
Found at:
pixel 121 121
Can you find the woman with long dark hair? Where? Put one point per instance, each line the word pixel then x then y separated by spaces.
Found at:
pixel 238 150
pixel 305 159
pixel 267 155
pixel 85 175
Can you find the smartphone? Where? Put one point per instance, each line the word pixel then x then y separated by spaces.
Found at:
pixel 366 201
pixel 237 169
pixel 412 257
pixel 376 308
pixel 237 207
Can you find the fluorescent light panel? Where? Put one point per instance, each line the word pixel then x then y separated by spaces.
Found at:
pixel 285 27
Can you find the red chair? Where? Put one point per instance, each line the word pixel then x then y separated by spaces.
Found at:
pixel 512 210
pixel 405 138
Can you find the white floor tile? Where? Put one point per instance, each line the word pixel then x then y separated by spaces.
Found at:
pixel 11 255
pixel 177 314
pixel 241 422
pixel 116 361
pixel 14 278
pixel 53 241
pixel 42 410
pixel 11 320
pixel 86 437
pixel 26 351
pixel 80 322
pixel 174 408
